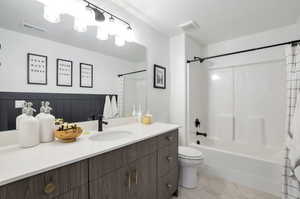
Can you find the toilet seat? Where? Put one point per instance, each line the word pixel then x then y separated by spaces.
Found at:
pixel 189 153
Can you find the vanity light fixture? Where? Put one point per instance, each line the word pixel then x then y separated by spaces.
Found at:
pixel 87 14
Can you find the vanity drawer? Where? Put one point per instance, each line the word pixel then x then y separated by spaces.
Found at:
pixel 168 139
pixel 49 184
pixel 167 185
pixel 139 150
pixel 105 163
pixel 167 159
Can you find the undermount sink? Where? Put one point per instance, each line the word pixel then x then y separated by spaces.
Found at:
pixel 110 135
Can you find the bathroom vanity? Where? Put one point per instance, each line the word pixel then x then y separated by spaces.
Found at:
pixel 144 166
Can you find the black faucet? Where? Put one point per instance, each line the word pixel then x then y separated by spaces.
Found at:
pixel 101 122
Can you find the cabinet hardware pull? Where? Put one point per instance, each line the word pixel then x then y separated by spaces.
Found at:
pixel 170 138
pixel 129 182
pixel 136 177
pixel 169 158
pixel 169 186
pixel 50 188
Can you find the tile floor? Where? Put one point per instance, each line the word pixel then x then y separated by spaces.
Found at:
pixel 217 188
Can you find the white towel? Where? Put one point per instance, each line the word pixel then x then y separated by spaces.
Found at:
pixel 114 107
pixel 107 113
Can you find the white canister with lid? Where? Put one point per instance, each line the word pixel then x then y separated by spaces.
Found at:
pixel 29 135
pixel 47 124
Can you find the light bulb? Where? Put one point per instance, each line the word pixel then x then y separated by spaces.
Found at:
pixel 129 34
pixel 80 25
pixel 51 14
pixel 102 34
pixel 119 41
pixel 89 15
pixel 112 26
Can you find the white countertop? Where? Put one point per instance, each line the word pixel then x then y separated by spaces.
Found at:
pixel 18 163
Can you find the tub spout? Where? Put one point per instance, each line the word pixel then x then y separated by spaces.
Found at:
pixel 201 134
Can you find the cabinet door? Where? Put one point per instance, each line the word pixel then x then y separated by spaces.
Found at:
pixel 140 178
pixel 144 177
pixel 109 186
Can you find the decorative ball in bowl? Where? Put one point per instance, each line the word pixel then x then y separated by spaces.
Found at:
pixel 68 135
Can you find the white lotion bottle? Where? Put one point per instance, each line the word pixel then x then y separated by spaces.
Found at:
pixel 46 124
pixel 29 135
pixel 18 119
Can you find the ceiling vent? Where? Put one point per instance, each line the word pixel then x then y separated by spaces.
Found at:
pixel 190 26
pixel 33 27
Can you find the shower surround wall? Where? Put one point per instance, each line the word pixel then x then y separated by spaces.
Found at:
pixel 247 104
pixel 245 93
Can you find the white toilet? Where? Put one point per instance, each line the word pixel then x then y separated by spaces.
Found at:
pixel 189 160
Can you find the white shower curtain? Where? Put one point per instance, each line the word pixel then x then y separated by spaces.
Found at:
pixel 291 185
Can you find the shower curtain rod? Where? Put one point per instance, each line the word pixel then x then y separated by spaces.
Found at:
pixel 242 51
pixel 138 71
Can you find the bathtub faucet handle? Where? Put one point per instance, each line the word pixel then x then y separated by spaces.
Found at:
pixel 201 134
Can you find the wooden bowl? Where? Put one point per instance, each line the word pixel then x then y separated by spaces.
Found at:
pixel 68 135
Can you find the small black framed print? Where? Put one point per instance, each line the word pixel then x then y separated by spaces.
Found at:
pixel 64 73
pixel 159 77
pixel 86 75
pixel 37 69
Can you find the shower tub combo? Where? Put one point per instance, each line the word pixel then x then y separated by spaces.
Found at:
pixel 259 169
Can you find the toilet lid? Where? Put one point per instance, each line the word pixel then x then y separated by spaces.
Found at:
pixel 189 153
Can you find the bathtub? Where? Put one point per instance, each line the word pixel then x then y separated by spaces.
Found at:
pixel 258 168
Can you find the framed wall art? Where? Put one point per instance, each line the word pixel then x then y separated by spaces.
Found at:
pixel 86 75
pixel 37 69
pixel 159 80
pixel 64 72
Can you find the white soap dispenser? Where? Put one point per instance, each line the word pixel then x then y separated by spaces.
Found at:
pixel 24 109
pixel 42 110
pixel 47 124
pixel 29 129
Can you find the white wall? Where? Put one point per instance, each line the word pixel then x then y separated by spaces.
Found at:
pixel 270 37
pixel 197 85
pixel 13 72
pixel 178 113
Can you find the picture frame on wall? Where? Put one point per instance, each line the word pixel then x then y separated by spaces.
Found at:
pixel 159 80
pixel 37 66
pixel 64 73
pixel 86 75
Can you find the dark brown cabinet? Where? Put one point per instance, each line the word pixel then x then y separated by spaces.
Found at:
pixel 144 170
